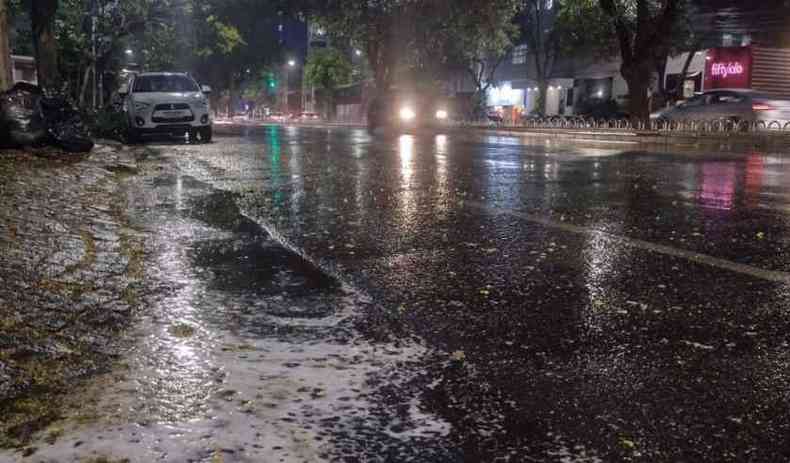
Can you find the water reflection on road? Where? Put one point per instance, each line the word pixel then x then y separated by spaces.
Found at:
pixel 479 299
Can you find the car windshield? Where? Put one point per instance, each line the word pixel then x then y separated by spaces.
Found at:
pixel 164 83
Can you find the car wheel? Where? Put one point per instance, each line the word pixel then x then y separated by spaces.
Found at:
pixel 205 134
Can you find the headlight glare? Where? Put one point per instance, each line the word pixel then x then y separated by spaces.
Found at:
pixel 441 114
pixel 407 114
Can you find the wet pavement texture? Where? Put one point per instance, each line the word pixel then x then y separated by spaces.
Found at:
pixel 69 279
pixel 330 295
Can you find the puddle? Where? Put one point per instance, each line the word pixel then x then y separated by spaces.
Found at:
pixel 247 354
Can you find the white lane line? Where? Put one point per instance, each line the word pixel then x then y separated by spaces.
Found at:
pixel 769 275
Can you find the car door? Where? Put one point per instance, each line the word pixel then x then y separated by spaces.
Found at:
pixel 728 105
pixel 691 109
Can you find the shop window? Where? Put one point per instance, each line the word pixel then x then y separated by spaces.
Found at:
pixel 520 54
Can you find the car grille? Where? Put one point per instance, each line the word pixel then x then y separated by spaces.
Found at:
pixel 171 106
pixel 173 119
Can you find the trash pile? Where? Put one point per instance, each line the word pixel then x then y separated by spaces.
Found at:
pixel 30 116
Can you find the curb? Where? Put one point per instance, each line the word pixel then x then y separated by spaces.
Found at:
pixel 596 136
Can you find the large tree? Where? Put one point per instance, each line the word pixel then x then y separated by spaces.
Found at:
pixel 375 26
pixel 642 27
pixel 5 52
pixel 44 42
pixel 477 36
pixel 543 36
pixel 641 32
pixel 327 69
pixel 417 42
pixel 236 40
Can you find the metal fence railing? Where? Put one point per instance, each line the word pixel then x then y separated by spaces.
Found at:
pixel 654 125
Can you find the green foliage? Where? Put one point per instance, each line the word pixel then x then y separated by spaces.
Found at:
pixel 226 38
pixel 586 24
pixel 421 38
pixel 236 41
pixel 327 69
pixel 105 123
pixel 477 35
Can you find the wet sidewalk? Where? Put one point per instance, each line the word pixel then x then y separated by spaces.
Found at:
pixel 243 352
pixel 70 276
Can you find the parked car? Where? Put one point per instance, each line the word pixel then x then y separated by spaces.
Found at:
pixel 731 105
pixel 165 102
pixel 598 109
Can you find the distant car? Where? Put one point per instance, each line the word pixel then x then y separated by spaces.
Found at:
pixel 731 105
pixel 164 102
pixel 495 116
pixel 309 116
pixel 408 110
pixel 278 117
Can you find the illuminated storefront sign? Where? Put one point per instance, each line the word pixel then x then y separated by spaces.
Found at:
pixel 505 95
pixel 728 67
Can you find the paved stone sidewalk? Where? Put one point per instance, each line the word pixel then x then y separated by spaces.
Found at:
pixel 70 276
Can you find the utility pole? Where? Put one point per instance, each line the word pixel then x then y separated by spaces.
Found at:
pixel 100 81
pixel 6 66
pixel 93 53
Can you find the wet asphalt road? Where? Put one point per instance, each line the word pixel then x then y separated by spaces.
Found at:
pixel 591 303
pixel 532 301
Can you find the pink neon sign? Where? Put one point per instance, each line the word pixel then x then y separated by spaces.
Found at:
pixel 728 67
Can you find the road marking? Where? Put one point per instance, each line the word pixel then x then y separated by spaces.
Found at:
pixel 769 275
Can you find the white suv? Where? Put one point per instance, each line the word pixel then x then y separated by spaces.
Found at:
pixel 164 102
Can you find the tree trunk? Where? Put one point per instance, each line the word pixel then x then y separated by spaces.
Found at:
pixel 543 93
pixel 44 42
pixel 84 87
pixel 660 100
pixel 231 98
pixel 638 75
pixel 6 67
pixel 328 100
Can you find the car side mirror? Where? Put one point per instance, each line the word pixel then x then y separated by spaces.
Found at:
pixel 205 89
pixel 124 90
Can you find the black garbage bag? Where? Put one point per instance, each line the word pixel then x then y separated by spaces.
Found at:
pixel 20 119
pixel 32 117
pixel 64 124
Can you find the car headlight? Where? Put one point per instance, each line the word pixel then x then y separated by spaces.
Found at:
pixel 139 106
pixel 407 114
pixel 202 103
pixel 441 114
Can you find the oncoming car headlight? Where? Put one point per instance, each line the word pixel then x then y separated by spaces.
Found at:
pixel 407 114
pixel 441 114
pixel 139 106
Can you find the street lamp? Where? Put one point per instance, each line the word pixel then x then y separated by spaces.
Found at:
pixel 129 51
pixel 358 52
pixel 286 87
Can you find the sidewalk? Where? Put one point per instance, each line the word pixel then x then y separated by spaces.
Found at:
pixel 70 278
